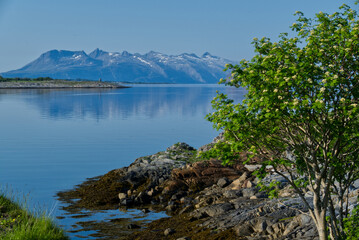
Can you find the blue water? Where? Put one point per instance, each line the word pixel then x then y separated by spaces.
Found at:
pixel 51 140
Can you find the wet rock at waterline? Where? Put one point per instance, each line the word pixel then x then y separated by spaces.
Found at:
pixel 205 198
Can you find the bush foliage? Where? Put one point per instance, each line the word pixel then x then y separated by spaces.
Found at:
pixel 300 113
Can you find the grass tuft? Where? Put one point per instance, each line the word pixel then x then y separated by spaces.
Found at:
pixel 16 222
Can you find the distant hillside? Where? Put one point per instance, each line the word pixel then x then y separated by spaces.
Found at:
pixel 125 67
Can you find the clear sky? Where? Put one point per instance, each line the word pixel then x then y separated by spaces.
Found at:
pixel 224 28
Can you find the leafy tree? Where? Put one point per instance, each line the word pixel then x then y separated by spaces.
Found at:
pixel 352 225
pixel 300 113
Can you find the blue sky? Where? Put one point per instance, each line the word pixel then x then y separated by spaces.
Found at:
pixel 224 28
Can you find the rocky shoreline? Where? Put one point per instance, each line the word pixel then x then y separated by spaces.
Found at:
pixel 204 199
pixel 57 84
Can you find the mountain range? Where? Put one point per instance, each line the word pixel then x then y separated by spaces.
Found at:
pixel 152 67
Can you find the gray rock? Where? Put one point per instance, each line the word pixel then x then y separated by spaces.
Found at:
pixel 252 168
pixel 169 231
pixel 180 147
pixel 275 177
pixel 304 219
pixel 215 210
pixel 310 233
pixel 297 203
pixel 249 192
pixel 276 228
pixel 209 146
pixel 261 226
pixel 354 193
pixel 206 147
pixel 232 194
pixel 248 184
pixel 356 184
pixel 290 227
pixel 219 209
pixel 223 182
pixel 309 194
pixel 186 200
pixel 237 184
pixel 243 230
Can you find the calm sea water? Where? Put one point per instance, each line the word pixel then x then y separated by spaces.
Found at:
pixel 51 140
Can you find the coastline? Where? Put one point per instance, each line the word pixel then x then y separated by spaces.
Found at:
pixel 57 84
pixel 203 199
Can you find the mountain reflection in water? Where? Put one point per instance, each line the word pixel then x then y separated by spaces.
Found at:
pixel 149 100
pixel 52 140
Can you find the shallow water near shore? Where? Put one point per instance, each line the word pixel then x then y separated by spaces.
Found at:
pixel 52 140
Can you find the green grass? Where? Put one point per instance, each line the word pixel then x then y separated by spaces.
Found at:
pixel 25 79
pixel 16 222
pixel 66 82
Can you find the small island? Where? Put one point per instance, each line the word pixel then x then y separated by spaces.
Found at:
pixel 49 83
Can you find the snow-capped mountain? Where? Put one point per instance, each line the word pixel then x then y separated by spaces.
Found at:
pixel 125 67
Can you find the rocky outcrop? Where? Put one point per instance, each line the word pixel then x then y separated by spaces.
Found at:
pixel 221 197
pixel 215 198
pixel 130 186
pixel 239 205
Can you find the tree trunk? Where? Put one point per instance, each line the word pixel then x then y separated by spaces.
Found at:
pixel 322 227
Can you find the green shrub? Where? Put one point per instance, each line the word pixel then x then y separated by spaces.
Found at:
pixel 351 225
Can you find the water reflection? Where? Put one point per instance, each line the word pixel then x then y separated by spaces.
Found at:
pixel 150 101
pixel 52 140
